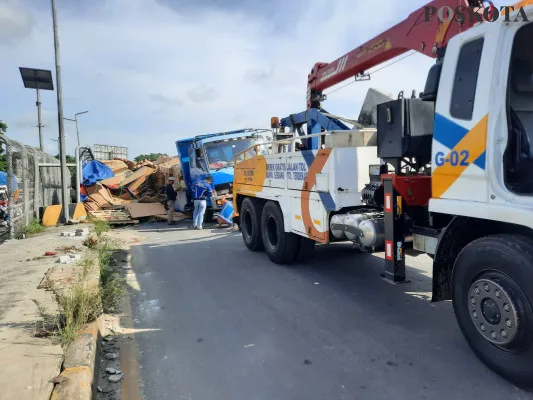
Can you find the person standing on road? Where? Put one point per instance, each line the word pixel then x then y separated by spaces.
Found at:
pixel 171 194
pixel 203 188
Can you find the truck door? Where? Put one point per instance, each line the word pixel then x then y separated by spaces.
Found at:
pixel 517 120
pixel 461 120
pixel 197 162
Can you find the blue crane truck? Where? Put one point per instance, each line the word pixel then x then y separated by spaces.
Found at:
pixel 213 155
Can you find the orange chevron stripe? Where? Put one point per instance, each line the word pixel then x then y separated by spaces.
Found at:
pixel 316 167
pixel 475 142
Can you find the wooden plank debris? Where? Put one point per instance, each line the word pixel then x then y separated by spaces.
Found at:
pixel 144 171
pixel 114 216
pixel 134 192
pixel 140 210
pixel 114 182
pixel 117 166
pixel 177 217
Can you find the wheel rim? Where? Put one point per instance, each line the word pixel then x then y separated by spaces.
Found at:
pixel 248 224
pixel 272 231
pixel 493 311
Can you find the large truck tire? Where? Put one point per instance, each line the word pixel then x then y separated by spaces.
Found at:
pixel 250 224
pixel 280 246
pixel 305 250
pixel 493 303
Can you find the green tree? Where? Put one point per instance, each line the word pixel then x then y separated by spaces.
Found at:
pixel 3 163
pixel 70 160
pixel 150 157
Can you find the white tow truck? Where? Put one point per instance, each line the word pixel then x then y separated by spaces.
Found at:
pixel 449 174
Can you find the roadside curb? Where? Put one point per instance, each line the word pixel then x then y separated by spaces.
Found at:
pixel 79 371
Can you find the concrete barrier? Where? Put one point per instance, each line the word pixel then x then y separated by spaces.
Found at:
pixel 79 376
pixel 52 215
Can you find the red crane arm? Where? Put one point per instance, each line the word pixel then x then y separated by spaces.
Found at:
pixel 413 33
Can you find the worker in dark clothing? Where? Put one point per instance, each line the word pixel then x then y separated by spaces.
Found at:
pixel 171 194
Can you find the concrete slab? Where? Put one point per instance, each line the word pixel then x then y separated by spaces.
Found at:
pixel 65 260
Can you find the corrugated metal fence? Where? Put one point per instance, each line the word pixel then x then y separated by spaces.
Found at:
pixel 29 186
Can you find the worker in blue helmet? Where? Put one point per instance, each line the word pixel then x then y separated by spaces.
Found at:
pixel 202 189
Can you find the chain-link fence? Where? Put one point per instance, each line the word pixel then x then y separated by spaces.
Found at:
pixel 28 185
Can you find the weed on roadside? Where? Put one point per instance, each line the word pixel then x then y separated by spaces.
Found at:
pixel 100 226
pixel 91 242
pixel 78 305
pixel 83 301
pixel 112 285
pixel 33 228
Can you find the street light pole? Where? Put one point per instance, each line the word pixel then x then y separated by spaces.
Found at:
pixel 39 119
pixel 77 130
pixel 62 153
pixel 38 79
pixel 77 155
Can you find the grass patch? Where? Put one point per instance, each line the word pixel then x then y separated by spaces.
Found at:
pixel 91 242
pixel 83 301
pixel 112 285
pixel 78 305
pixel 32 229
pixel 100 226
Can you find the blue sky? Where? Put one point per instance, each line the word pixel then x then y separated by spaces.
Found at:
pixel 152 71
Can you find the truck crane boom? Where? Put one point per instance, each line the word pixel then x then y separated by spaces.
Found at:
pixel 414 33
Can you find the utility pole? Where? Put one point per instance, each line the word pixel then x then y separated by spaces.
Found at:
pixel 62 152
pixel 39 119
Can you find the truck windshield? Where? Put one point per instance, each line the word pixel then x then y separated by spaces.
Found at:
pixel 220 154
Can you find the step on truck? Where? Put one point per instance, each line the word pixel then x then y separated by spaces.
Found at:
pixel 213 154
pixel 447 173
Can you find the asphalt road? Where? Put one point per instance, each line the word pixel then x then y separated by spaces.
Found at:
pixel 215 321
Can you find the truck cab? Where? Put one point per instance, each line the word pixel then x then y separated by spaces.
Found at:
pixel 213 155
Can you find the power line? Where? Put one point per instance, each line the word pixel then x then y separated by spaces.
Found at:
pixel 373 72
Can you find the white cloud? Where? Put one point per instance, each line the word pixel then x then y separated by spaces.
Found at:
pixel 15 23
pixel 149 74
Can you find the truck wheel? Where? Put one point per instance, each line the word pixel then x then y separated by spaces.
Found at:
pixel 305 249
pixel 492 299
pixel 250 223
pixel 280 246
